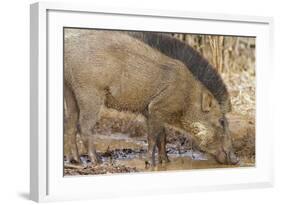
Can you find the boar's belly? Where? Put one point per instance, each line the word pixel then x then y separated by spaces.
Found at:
pixel 128 98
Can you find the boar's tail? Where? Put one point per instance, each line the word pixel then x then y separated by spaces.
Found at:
pixel 201 69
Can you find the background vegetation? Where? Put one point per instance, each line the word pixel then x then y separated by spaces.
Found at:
pixel 234 59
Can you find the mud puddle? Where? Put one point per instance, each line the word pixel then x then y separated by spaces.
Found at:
pixel 122 144
pixel 121 153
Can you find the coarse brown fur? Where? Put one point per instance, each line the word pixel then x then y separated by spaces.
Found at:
pixel 194 61
pixel 114 69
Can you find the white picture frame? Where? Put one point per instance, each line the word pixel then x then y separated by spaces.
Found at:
pixel 46 164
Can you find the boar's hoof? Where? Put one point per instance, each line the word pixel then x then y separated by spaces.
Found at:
pixel 96 159
pixel 163 159
pixel 149 164
pixel 74 161
pixel 71 160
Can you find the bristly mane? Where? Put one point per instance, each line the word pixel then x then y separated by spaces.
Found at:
pixel 194 61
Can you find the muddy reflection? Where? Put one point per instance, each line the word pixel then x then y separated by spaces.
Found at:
pixel 176 163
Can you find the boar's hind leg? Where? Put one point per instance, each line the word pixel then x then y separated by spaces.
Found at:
pixel 89 102
pixel 70 126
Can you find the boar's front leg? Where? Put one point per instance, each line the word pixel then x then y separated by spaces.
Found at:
pixel 157 137
pixel 161 145
pixel 89 103
pixel 156 131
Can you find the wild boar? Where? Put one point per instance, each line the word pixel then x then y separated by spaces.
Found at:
pixel 154 74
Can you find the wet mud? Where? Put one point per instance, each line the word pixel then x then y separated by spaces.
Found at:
pixel 121 142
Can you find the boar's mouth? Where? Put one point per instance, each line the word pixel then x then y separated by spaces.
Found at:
pixel 224 157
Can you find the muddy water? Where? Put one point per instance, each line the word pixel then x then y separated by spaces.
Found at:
pixel 176 163
pixel 122 153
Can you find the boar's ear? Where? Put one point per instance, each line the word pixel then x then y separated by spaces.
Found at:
pixel 207 101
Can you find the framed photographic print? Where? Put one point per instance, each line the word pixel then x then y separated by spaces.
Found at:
pixel 151 101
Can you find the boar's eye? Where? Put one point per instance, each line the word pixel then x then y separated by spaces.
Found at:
pixel 222 122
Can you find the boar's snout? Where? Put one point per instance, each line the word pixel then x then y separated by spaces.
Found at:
pixel 225 157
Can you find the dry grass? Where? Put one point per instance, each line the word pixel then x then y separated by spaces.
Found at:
pixel 242 92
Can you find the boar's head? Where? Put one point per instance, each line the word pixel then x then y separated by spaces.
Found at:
pixel 207 123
